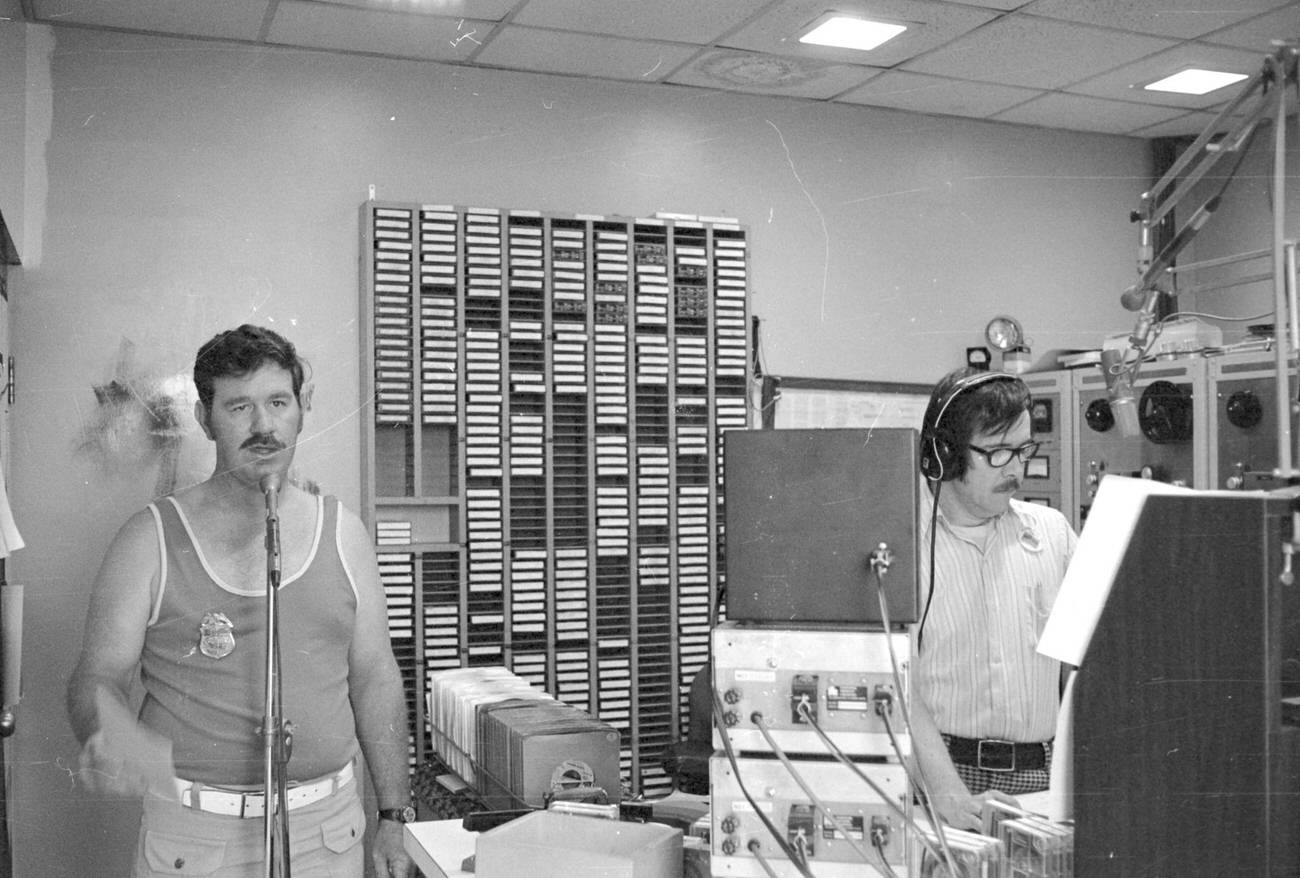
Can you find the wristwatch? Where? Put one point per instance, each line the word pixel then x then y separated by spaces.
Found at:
pixel 401 815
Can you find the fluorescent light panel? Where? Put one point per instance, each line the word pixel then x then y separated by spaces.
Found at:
pixel 1195 81
pixel 846 32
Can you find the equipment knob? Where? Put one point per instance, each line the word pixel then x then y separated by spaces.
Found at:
pixel 1237 480
pixel 728 846
pixel 731 696
pixel 1093 480
pixel 1244 409
pixel 730 718
pixel 1098 415
pixel 729 825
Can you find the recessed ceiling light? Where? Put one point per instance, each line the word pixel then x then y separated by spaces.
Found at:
pixel 846 32
pixel 1195 81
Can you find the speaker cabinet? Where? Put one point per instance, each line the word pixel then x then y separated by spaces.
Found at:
pixel 805 510
pixel 1185 761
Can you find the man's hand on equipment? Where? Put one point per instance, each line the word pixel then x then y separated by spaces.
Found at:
pixel 967 812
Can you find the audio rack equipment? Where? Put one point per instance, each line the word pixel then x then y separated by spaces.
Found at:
pixel 856 820
pixel 840 677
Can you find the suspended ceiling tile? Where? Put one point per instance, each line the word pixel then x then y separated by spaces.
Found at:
pixel 1000 5
pixel 482 10
pixel 228 19
pixel 929 25
pixel 1185 19
pixel 1036 52
pixel 397 34
pixel 933 94
pixel 550 51
pixel 1092 48
pixel 1075 112
pixel 682 21
pixel 1258 33
pixel 1126 83
pixel 756 73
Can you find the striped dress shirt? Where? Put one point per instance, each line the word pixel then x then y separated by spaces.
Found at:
pixel 978 668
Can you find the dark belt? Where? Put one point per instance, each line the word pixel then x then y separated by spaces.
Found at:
pixel 993 755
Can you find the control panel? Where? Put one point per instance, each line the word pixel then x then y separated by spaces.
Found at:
pixel 851 830
pixel 794 686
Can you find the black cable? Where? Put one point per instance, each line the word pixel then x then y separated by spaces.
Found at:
pixel 934 522
pixel 878 567
pixel 781 842
pixel 879 844
pixel 777 751
pixel 880 791
pixel 757 850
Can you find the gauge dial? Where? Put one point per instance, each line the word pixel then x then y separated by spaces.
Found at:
pixel 1003 333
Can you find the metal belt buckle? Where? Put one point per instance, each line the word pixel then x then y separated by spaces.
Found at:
pixel 993 755
pixel 252 805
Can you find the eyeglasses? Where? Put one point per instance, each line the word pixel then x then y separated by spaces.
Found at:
pixel 1000 457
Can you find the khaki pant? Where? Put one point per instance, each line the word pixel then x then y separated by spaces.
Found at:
pixel 325 840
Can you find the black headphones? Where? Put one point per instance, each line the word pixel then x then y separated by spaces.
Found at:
pixel 940 459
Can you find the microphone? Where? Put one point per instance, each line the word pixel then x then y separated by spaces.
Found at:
pixel 1134 297
pixel 1119 390
pixel 1137 297
pixel 270 485
pixel 1143 298
pixel 1141 336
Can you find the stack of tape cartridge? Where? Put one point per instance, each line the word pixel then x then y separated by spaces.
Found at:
pixel 1033 845
pixel 962 854
pixel 517 746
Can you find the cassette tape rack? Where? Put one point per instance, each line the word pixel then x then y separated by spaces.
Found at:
pixel 542 471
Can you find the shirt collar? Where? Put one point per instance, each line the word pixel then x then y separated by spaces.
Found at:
pixel 1024 526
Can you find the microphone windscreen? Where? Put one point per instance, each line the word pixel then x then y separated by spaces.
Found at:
pixel 1119 392
pixel 1125 410
pixel 1133 298
pixel 270 482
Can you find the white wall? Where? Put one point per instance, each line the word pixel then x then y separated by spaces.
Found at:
pixel 13 116
pixel 179 188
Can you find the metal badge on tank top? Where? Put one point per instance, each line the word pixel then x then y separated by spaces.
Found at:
pixel 216 635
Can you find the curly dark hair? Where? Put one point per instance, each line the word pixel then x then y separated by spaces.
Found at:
pixel 240 351
pixel 966 402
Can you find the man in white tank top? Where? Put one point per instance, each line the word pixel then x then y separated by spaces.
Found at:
pixel 180 599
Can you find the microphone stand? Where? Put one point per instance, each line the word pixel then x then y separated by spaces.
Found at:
pixel 275 733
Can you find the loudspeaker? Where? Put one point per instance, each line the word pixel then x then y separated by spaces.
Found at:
pixel 805 509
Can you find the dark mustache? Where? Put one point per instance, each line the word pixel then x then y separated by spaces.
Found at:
pixel 265 440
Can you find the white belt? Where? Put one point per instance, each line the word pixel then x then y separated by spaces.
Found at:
pixel 232 803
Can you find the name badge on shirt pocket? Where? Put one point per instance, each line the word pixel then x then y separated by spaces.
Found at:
pixel 1030 540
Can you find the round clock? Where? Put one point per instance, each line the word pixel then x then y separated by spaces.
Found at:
pixel 1003 333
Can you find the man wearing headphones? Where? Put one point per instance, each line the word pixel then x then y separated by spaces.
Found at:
pixel 985 702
